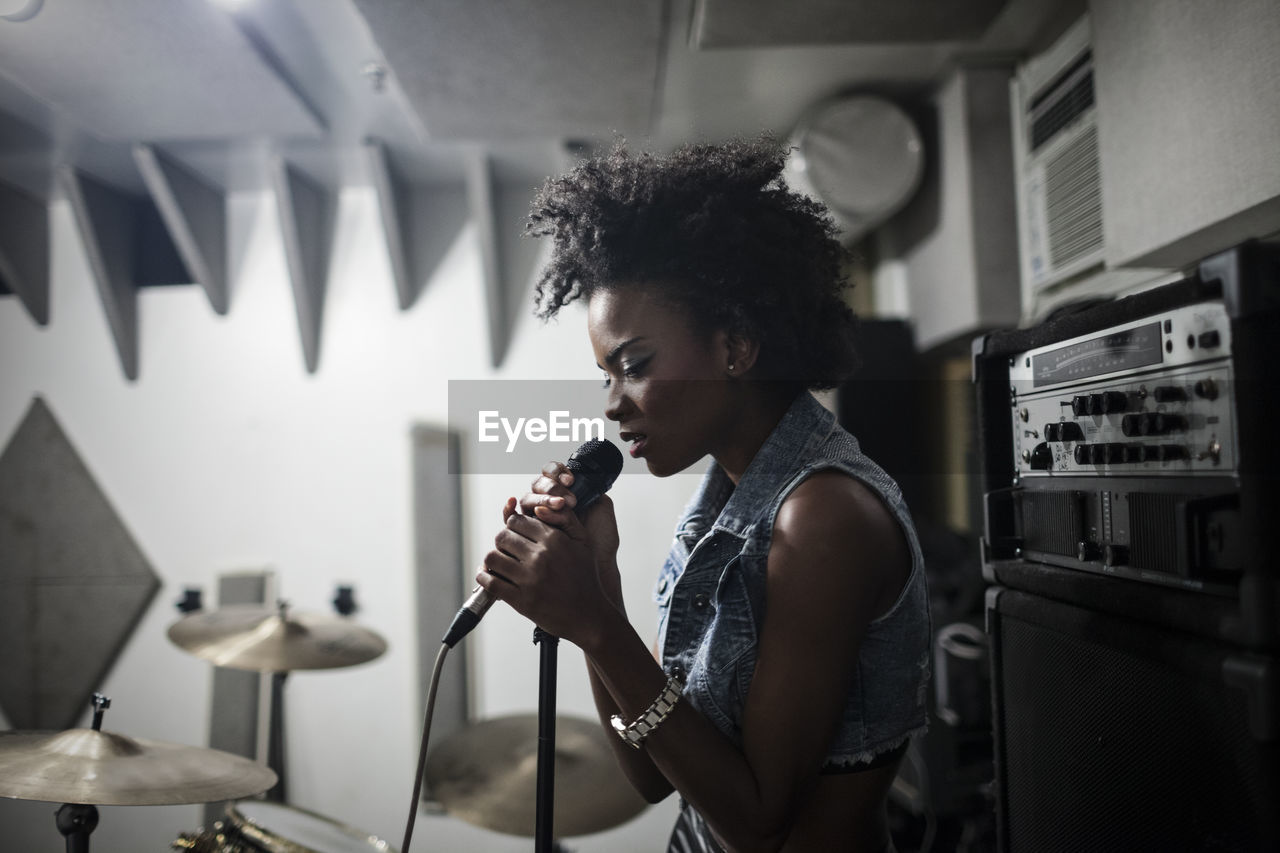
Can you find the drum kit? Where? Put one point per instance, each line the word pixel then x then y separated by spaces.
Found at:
pixel 483 774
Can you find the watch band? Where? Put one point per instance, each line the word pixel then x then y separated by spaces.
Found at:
pixel 634 733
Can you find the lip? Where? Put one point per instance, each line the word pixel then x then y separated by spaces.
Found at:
pixel 637 440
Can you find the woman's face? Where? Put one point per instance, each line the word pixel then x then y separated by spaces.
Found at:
pixel 667 383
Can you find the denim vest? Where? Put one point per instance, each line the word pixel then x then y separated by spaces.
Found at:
pixel 711 592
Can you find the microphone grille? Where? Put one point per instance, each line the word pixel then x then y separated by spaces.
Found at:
pixel 599 459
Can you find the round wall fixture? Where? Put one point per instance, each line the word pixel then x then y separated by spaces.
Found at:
pixel 861 155
pixel 18 11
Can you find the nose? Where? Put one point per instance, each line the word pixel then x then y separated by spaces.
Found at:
pixel 616 404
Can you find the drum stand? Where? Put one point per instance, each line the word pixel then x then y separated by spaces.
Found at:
pixel 77 820
pixel 275 738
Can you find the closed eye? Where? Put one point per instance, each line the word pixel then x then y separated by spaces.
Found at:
pixel 629 370
pixel 633 369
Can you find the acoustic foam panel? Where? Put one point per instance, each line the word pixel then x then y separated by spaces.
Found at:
pixel 486 69
pixel 190 72
pixel 73 582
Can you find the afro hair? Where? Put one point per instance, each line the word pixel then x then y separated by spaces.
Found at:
pixel 716 229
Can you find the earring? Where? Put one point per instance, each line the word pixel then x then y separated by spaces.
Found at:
pixel 731 367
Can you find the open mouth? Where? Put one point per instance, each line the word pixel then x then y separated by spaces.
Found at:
pixel 637 441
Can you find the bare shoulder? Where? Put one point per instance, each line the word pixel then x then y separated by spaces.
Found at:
pixel 832 522
pixel 832 503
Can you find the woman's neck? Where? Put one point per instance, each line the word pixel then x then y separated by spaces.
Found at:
pixel 763 405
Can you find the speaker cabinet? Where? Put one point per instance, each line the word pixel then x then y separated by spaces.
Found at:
pixel 1114 735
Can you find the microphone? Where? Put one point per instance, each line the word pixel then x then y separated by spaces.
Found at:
pixel 595 465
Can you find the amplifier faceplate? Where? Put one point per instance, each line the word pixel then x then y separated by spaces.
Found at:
pixel 1153 397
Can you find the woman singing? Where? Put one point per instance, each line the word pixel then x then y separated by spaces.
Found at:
pixel 792 647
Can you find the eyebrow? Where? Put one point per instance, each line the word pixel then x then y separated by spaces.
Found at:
pixel 617 351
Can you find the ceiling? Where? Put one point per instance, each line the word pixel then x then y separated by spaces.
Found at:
pixel 145 114
pixel 216 84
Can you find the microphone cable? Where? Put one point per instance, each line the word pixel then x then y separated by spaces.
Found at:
pixel 422 751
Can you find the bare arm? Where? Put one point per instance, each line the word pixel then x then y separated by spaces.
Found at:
pixel 636 764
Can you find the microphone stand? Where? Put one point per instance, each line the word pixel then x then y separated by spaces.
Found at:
pixel 545 805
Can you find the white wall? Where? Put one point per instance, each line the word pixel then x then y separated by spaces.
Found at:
pixel 225 454
pixel 954 247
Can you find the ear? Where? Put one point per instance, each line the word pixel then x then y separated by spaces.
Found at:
pixel 740 353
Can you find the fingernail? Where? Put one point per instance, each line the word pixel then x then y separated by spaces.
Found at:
pixel 555 503
pixel 566 478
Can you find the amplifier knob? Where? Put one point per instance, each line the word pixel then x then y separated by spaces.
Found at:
pixel 1041 457
pixel 1207 389
pixel 1070 431
pixel 1114 402
pixel 1153 423
pixel 1169 394
pixel 1115 555
pixel 1082 454
pixel 1088 552
pixel 1080 405
pixel 1051 432
pixel 1099 454
pixel 1133 453
pixel 1173 451
pixel 1095 404
pixel 1209 339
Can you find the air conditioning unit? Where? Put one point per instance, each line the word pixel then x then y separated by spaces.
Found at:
pixel 1055 143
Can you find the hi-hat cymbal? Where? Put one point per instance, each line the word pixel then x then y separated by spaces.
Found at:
pixel 268 639
pixel 107 769
pixel 486 774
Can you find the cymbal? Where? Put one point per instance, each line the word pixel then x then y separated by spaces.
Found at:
pixel 107 769
pixel 269 639
pixel 486 774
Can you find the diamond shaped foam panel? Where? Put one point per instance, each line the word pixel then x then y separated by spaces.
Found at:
pixel 73 583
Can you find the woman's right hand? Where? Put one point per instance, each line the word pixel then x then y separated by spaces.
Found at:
pixel 551 501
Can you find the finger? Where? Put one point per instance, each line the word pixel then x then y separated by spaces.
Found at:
pixel 508 509
pixel 543 520
pixel 549 486
pixel 502 566
pixel 532 501
pixel 556 517
pixel 553 474
pixel 495 584
pixel 555 479
pixel 526 527
pixel 515 545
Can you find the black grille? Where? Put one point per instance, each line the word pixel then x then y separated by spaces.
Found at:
pixel 1052 522
pixel 1152 523
pixel 1102 749
pixel 1063 102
